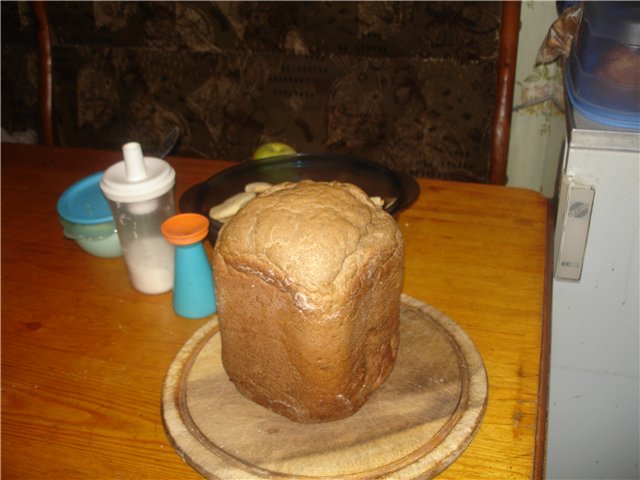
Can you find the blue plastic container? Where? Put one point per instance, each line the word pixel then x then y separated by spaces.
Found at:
pixel 193 292
pixel 86 218
pixel 603 70
pixel 193 289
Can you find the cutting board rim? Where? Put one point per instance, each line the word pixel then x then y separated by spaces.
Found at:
pixel 189 442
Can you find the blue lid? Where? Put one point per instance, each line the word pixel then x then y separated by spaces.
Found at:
pixel 84 203
pixel 601 113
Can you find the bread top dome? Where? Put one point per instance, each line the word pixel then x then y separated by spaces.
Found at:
pixel 313 236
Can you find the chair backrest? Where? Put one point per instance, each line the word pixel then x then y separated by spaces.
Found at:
pixel 46 80
pixel 321 87
pixel 509 33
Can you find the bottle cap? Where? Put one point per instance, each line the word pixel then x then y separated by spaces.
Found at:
pixel 137 178
pixel 185 228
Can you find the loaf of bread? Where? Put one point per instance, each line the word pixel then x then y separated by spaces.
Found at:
pixel 308 280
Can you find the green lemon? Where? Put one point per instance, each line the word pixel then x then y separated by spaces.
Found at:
pixel 273 149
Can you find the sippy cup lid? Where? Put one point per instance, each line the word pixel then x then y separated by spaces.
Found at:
pixel 137 178
pixel 185 228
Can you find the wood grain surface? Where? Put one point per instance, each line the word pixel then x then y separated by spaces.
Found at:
pixel 415 425
pixel 84 356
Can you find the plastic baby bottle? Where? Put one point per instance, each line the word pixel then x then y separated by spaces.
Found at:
pixel 141 194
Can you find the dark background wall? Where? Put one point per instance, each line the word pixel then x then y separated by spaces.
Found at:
pixel 408 84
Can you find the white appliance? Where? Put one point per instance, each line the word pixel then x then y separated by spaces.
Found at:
pixel 594 425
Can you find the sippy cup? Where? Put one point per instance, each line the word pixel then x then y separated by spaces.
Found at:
pixel 140 191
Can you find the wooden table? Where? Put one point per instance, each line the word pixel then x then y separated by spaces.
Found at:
pixel 84 356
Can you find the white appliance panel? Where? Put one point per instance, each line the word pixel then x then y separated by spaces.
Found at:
pixel 594 421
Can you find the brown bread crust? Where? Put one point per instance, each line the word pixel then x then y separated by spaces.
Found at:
pixel 308 281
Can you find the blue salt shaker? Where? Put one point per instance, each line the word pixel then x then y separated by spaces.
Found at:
pixel 193 290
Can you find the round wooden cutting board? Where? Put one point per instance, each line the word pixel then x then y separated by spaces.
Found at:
pixel 415 425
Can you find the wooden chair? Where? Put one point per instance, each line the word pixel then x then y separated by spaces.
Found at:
pixel 509 32
pixel 46 81
pixel 501 128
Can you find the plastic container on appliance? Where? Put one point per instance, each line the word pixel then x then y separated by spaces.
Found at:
pixel 603 70
pixel 141 194
pixel 86 218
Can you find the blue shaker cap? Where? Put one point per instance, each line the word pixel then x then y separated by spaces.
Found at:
pixel 84 203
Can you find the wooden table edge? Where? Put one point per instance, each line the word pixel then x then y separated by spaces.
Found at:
pixel 539 457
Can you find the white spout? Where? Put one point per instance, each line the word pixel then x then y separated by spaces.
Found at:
pixel 134 164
